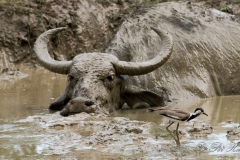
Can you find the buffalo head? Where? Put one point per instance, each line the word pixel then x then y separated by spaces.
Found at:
pixel 95 81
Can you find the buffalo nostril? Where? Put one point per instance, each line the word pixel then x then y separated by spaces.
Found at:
pixel 64 113
pixel 89 103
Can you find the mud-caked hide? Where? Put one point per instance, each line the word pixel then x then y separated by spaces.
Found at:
pixel 96 82
pixel 206 54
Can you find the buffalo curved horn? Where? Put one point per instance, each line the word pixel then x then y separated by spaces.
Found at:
pixel 40 48
pixel 139 68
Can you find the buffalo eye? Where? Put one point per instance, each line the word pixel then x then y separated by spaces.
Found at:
pixel 110 78
pixel 70 77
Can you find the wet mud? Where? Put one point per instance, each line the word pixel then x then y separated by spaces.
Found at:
pixel 234 132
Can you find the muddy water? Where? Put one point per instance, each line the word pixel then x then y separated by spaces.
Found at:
pixel 31 95
pixel 20 99
pixel 219 109
pixel 28 130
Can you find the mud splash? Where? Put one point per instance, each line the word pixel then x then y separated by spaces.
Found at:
pixel 28 130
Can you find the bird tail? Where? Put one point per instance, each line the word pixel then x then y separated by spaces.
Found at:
pixel 151 110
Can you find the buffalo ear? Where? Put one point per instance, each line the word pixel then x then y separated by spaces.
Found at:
pixel 136 97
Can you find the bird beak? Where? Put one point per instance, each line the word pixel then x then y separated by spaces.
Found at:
pixel 205 113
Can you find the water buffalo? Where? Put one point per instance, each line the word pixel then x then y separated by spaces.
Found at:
pixel 95 81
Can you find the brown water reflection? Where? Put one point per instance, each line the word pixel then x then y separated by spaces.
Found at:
pixel 32 95
pixel 219 109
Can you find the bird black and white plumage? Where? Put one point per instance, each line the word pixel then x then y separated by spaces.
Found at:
pixel 177 115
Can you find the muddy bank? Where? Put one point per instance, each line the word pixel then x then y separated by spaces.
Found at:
pixel 91 25
pixel 205 57
pixel 9 74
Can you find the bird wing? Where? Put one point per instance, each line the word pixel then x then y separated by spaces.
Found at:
pixel 173 113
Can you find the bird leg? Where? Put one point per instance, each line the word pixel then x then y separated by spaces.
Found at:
pixel 177 141
pixel 169 130
pixel 169 125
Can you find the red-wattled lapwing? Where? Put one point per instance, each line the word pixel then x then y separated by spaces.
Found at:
pixel 177 115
